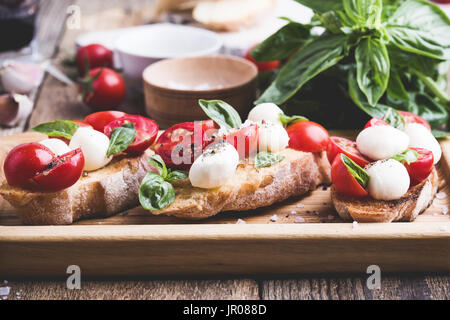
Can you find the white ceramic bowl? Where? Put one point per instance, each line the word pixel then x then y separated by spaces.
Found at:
pixel 145 45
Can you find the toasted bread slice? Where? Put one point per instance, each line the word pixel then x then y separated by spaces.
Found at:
pixel 100 193
pixel 251 188
pixel 407 208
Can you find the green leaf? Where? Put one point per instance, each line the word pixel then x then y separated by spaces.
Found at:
pixel 364 12
pixel 157 162
pixel 356 171
pixel 317 56
pixel 155 193
pixel 394 118
pixel 395 86
pixel 440 134
pixel 322 6
pixel 282 43
pixel 176 175
pixel 267 159
pixel 58 128
pixel 121 138
pixel 286 120
pixel 222 113
pixel 408 156
pixel 372 68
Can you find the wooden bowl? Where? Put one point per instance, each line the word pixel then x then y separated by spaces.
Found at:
pixel 172 87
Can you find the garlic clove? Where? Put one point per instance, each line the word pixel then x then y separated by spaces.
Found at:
pixel 21 77
pixel 14 108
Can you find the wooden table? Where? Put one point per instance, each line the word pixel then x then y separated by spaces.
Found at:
pixel 56 101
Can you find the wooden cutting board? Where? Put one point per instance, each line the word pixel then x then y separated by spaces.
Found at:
pixel 300 235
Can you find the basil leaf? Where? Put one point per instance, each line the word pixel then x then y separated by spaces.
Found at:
pixel 322 6
pixel 395 86
pixel 364 12
pixel 372 68
pixel 176 175
pixel 159 164
pixel 407 156
pixel 267 159
pixel 286 120
pixel 121 138
pixel 394 118
pixel 222 113
pixel 312 59
pixel 438 134
pixel 58 128
pixel 356 171
pixel 155 193
pixel 282 43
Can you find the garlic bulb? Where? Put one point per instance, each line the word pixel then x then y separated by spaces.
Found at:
pixel 14 108
pixel 21 77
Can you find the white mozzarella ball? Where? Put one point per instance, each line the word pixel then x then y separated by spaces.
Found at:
pixel 389 179
pixel 272 138
pixel 215 166
pixel 57 146
pixel 94 145
pixel 267 112
pixel 381 142
pixel 421 137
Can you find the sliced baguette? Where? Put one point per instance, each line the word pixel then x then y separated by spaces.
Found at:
pixel 101 193
pixel 252 188
pixel 407 208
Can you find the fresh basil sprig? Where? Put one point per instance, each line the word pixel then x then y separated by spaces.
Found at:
pixel 394 118
pixel 286 120
pixel 267 159
pixel 222 113
pixel 408 156
pixel 121 138
pixel 57 128
pixel 156 191
pixel 356 171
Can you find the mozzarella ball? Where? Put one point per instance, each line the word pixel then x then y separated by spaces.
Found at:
pixel 389 179
pixel 272 138
pixel 94 145
pixel 267 112
pixel 57 146
pixel 421 137
pixel 381 142
pixel 215 166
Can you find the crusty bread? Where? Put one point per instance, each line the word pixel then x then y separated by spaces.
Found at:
pixel 252 188
pixel 101 193
pixel 407 208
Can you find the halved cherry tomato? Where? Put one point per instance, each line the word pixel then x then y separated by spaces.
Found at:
pixel 420 169
pixel 182 143
pixel 375 122
pixel 348 147
pixel 99 120
pixel 262 66
pixel 245 140
pixel 414 118
pixel 24 162
pixel 78 122
pixel 307 136
pixel 343 181
pixel 62 172
pixel 146 132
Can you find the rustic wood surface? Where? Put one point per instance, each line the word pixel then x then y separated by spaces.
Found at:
pixel 57 101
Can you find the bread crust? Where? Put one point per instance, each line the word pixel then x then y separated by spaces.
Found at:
pixel 407 208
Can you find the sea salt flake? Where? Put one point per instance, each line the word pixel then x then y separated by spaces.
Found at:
pixel 240 221
pixel 293 212
pixel 444 210
pixel 441 195
pixel 443 227
pixel 274 218
pixel 4 291
pixel 355 224
pixel 300 205
pixel 299 220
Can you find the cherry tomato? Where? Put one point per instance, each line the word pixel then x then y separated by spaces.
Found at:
pixel 348 147
pixel 245 140
pixel 78 122
pixel 99 120
pixel 146 132
pixel 24 162
pixel 414 118
pixel 420 169
pixel 343 181
pixel 178 146
pixel 62 172
pixel 307 136
pixel 102 89
pixel 97 56
pixel 375 122
pixel 262 66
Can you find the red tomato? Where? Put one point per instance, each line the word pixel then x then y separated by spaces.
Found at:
pixel 24 162
pixel 146 132
pixel 414 118
pixel 245 140
pixel 78 122
pixel 62 172
pixel 420 169
pixel 97 56
pixel 375 122
pixel 307 136
pixel 348 147
pixel 178 146
pixel 102 89
pixel 262 66
pixel 99 120
pixel 343 181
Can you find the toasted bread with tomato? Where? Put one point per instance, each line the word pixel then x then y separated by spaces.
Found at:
pixel 251 188
pixel 407 208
